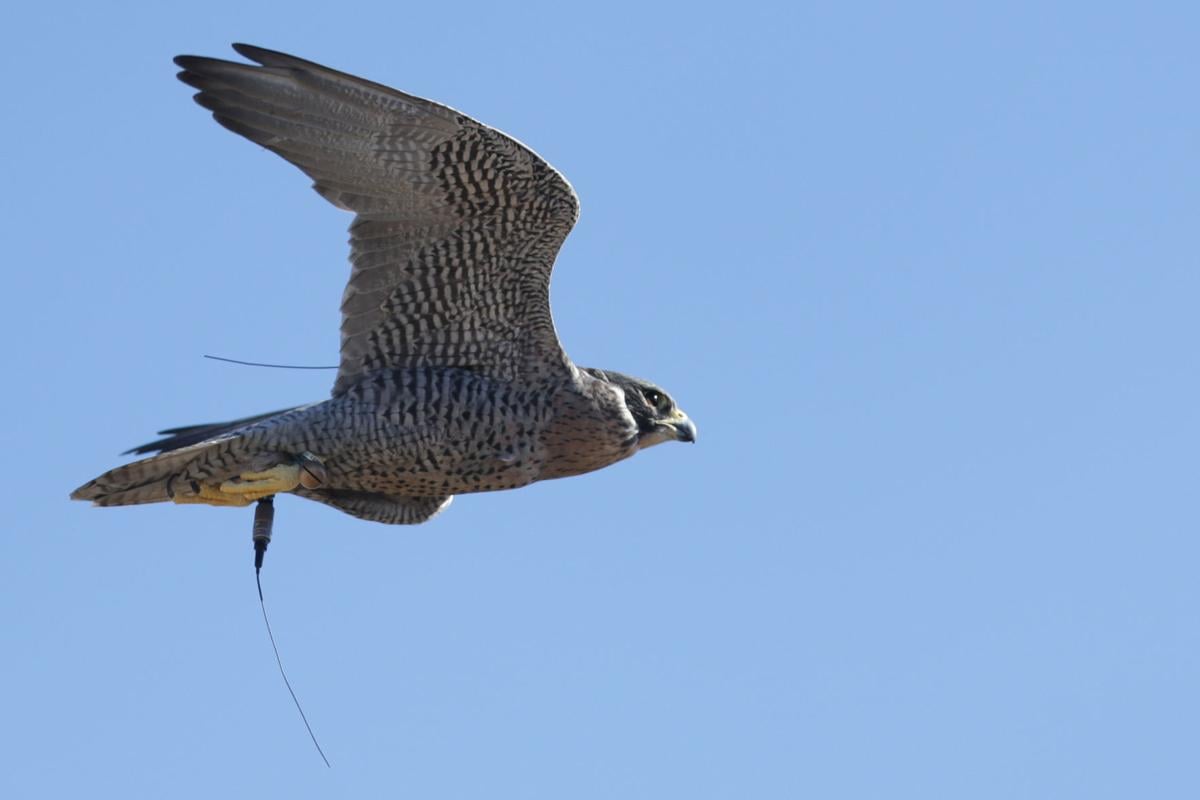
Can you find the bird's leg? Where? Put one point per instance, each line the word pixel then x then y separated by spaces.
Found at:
pixel 242 490
pixel 250 486
pixel 208 495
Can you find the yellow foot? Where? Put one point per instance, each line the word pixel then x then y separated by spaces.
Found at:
pixel 209 495
pixel 306 470
pixel 250 486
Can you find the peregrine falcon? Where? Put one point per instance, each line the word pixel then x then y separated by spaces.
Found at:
pixel 451 377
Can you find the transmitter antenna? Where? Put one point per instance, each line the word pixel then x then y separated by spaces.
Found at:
pixel 264 518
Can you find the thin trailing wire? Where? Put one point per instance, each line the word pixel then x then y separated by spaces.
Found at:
pixel 258 364
pixel 264 517
pixel 283 674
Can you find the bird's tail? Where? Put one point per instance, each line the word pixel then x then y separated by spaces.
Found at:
pixel 149 480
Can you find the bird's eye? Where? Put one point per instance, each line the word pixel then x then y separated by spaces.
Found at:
pixel 657 399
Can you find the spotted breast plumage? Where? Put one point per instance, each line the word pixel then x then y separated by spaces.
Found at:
pixel 451 378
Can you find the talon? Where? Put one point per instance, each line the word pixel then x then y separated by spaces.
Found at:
pixel 210 495
pixel 306 470
pixel 253 485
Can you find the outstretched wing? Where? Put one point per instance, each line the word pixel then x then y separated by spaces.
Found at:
pixel 457 224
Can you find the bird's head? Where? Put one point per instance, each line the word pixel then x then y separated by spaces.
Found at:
pixel 658 418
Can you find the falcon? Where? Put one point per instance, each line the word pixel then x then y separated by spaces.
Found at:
pixel 451 378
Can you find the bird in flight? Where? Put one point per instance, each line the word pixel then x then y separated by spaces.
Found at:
pixel 451 378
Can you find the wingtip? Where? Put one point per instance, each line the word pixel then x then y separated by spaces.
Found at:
pixel 188 77
pixel 247 50
pixel 262 55
pixel 192 63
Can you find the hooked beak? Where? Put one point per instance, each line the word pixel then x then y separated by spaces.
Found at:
pixel 679 427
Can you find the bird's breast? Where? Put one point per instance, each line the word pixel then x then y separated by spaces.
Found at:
pixel 586 431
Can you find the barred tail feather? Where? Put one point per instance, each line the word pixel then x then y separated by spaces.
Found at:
pixel 145 481
pixel 149 480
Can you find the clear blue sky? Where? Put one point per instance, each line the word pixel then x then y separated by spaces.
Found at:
pixel 925 276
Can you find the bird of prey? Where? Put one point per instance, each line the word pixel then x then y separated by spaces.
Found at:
pixel 451 377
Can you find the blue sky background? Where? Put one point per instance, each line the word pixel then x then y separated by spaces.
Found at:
pixel 925 276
